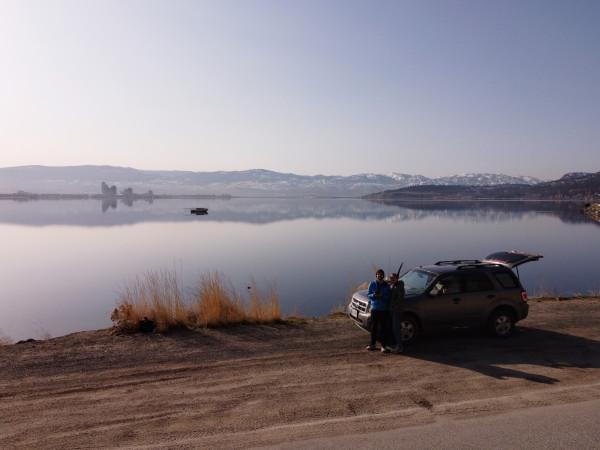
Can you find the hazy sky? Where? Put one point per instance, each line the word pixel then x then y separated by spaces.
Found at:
pixel 331 87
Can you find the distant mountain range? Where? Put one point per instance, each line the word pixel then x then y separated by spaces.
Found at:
pixel 571 186
pixel 87 180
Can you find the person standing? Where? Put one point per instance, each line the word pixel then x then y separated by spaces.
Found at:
pixel 396 309
pixel 379 294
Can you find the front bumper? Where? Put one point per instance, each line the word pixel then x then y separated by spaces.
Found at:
pixel 360 318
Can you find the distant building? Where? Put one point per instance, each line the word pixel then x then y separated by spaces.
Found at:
pixel 127 192
pixel 108 191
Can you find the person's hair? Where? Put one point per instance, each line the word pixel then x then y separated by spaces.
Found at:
pixel 380 271
pixel 393 275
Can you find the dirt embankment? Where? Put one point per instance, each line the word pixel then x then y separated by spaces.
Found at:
pixel 253 385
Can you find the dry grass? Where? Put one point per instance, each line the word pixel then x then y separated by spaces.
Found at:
pixel 337 311
pixel 158 297
pixel 594 292
pixel 340 310
pixel 544 292
pixel 353 287
pixel 296 320
pixel 5 340
pixel 263 306
pixel 216 302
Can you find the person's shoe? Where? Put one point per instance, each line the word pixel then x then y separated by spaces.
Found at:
pixel 385 350
pixel 397 349
pixel 370 348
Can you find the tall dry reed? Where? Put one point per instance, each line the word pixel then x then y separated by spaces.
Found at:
pixel 263 307
pixel 159 298
pixel 216 302
pixel 156 296
pixel 5 340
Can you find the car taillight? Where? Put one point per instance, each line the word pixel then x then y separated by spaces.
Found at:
pixel 524 296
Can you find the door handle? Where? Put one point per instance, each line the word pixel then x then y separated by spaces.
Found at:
pixel 456 300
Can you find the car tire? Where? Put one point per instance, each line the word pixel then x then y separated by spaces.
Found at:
pixel 502 323
pixel 409 329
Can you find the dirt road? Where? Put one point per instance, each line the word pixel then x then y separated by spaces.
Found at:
pixel 556 427
pixel 264 385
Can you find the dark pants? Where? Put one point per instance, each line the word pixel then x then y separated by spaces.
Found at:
pixel 396 327
pixel 380 327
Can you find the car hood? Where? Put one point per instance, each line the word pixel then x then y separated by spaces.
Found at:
pixel 362 295
pixel 511 258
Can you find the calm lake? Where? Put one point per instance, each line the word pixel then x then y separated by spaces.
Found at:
pixel 65 262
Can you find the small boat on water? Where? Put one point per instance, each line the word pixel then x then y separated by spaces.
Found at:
pixel 199 211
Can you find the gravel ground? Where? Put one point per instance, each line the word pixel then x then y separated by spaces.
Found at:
pixel 264 385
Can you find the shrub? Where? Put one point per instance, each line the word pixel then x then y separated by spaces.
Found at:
pixel 216 302
pixel 263 307
pixel 159 298
pixel 156 296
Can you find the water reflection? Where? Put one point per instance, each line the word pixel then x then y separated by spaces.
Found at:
pixel 496 211
pixel 66 278
pixel 111 202
pixel 122 211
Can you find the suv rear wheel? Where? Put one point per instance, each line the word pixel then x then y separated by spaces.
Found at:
pixel 409 329
pixel 502 323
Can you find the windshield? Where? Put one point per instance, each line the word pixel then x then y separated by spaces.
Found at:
pixel 416 281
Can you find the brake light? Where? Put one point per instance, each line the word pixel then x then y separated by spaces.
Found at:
pixel 524 296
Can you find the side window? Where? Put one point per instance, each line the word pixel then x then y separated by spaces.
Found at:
pixel 478 281
pixel 447 285
pixel 506 279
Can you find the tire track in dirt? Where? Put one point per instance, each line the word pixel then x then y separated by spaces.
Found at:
pixel 247 386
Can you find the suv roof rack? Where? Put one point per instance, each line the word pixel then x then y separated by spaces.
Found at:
pixel 458 262
pixel 477 265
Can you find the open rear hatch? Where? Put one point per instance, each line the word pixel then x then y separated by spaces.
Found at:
pixel 511 259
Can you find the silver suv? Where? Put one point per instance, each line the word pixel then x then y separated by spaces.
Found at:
pixel 458 294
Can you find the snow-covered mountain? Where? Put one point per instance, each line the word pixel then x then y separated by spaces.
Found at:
pixel 467 179
pixel 259 182
pixel 580 187
pixel 574 175
pixel 484 179
pixel 410 180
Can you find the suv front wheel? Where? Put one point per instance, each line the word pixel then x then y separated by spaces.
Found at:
pixel 502 323
pixel 409 329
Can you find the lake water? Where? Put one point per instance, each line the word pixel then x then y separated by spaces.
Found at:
pixel 65 262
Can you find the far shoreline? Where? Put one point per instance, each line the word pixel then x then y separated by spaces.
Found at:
pixel 41 197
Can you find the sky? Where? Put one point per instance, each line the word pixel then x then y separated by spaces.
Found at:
pixel 310 87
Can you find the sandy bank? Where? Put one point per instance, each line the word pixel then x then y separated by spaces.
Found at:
pixel 254 385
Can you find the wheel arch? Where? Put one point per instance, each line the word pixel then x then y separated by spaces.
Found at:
pixel 503 307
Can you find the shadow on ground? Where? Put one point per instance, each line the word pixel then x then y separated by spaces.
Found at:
pixel 528 346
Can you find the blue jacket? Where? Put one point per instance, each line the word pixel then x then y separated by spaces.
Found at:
pixel 382 302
